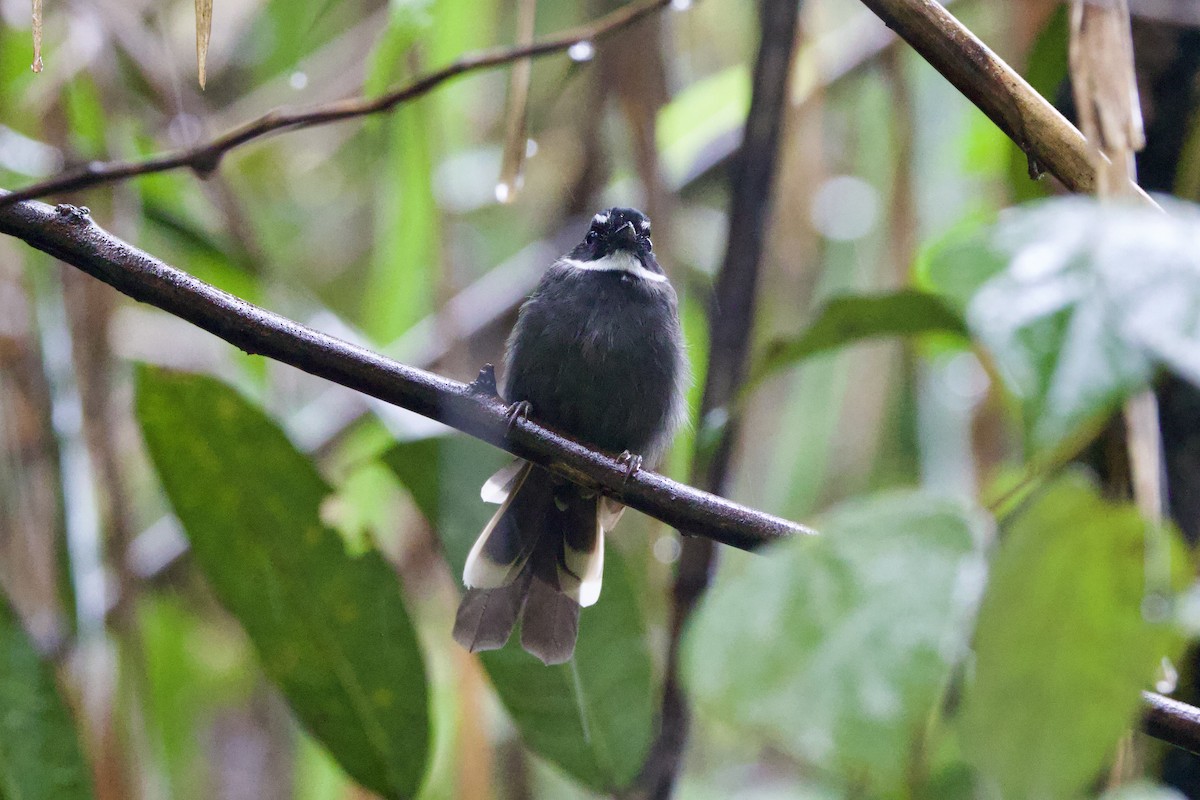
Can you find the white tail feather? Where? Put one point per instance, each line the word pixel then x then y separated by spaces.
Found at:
pixel 501 485
pixel 579 578
pixel 480 572
pixel 589 587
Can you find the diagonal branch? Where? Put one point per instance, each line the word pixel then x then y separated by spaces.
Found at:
pixel 1049 141
pixel 205 158
pixel 68 233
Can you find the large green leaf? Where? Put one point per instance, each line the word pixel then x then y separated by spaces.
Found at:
pixel 1063 645
pixel 1091 299
pixel 592 717
pixel 39 752
pixel 836 648
pixel 331 629
pixel 848 319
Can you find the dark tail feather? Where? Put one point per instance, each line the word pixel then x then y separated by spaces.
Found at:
pixel 539 558
pixel 550 624
pixel 486 616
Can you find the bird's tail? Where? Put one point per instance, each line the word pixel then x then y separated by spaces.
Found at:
pixel 540 558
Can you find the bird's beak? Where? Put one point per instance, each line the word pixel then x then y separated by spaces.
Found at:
pixel 626 237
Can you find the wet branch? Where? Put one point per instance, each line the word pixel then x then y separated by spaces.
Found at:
pixel 205 158
pixel 69 234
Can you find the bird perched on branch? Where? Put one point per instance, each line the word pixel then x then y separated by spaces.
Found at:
pixel 597 354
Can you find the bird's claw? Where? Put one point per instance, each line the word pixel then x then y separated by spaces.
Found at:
pixel 518 411
pixel 632 463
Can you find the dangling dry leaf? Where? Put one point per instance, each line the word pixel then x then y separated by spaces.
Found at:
pixel 1110 115
pixel 37 35
pixel 203 32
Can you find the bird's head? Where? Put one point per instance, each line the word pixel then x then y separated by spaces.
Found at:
pixel 616 237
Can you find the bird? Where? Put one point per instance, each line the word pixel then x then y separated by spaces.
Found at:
pixel 597 353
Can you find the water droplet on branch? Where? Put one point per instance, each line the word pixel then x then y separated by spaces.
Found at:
pixel 581 51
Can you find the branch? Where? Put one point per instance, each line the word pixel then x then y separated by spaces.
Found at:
pixel 1047 138
pixel 68 233
pixel 1171 721
pixel 205 158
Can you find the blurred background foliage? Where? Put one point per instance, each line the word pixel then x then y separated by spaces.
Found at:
pixel 244 582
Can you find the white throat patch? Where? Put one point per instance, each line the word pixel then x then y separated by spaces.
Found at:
pixel 617 262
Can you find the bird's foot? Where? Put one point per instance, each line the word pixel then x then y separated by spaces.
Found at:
pixel 518 411
pixel 632 463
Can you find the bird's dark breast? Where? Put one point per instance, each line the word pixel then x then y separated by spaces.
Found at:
pixel 598 356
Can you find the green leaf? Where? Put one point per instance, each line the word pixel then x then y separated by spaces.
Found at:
pixel 399 289
pixel 85 116
pixel 331 629
pixel 836 648
pixel 1091 299
pixel 592 717
pixel 853 318
pixel 39 752
pixel 957 263
pixel 1063 646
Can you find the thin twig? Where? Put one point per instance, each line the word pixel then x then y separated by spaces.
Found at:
pixel 732 319
pixel 68 233
pixel 205 158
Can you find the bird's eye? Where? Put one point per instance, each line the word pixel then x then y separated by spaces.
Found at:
pixel 591 236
